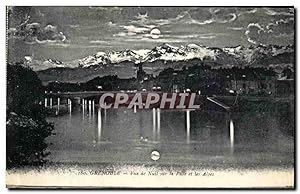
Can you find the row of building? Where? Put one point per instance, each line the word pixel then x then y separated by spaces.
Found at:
pixel 246 81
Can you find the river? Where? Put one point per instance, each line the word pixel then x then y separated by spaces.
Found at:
pixel 217 139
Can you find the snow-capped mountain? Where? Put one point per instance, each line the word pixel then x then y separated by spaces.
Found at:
pixel 39 65
pixel 252 54
pixel 228 56
pixel 167 52
pixel 260 55
pixel 102 58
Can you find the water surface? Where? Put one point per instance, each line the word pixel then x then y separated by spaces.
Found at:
pixel 211 138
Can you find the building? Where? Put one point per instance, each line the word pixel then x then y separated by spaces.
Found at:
pixel 251 82
pixel 249 87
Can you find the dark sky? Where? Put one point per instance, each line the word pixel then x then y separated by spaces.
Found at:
pixel 68 33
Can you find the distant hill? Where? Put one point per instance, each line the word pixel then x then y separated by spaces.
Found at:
pixel 124 63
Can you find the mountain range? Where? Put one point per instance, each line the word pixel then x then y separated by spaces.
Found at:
pixel 123 63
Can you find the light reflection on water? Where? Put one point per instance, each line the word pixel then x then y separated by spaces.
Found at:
pixel 90 134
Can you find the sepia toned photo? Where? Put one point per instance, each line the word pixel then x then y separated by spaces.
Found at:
pixel 150 97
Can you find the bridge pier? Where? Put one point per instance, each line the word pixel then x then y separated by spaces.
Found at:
pixel 104 110
pixel 70 105
pixel 46 102
pixel 51 103
pixel 93 106
pixel 90 103
pixel 154 123
pixel 99 133
pixel 158 123
pixel 93 109
pixel 231 135
pixel 90 109
pixel 58 103
pixel 188 125
pixel 82 108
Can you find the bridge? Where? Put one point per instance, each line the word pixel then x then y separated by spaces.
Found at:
pixel 89 102
pixel 217 102
pixel 85 97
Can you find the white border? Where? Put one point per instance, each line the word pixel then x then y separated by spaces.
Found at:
pixel 115 3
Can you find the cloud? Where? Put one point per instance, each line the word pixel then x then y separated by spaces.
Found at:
pixel 255 33
pixel 142 16
pixel 182 18
pixel 192 36
pixel 186 18
pixel 210 16
pixel 40 13
pixel 279 11
pixel 74 26
pixel 106 8
pixel 58 45
pixel 193 16
pixel 247 11
pixel 99 42
pixel 137 30
pixel 224 15
pixel 236 28
pixel 132 30
pixel 282 27
pixel 144 20
pixel 147 39
pixel 36 33
pixel 143 23
pixel 270 33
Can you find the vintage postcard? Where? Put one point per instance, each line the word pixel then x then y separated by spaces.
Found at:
pixel 150 97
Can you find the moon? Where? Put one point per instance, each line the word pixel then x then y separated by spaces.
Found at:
pixel 155 33
pixel 155 155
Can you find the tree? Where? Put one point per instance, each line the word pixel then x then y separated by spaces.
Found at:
pixel 26 125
